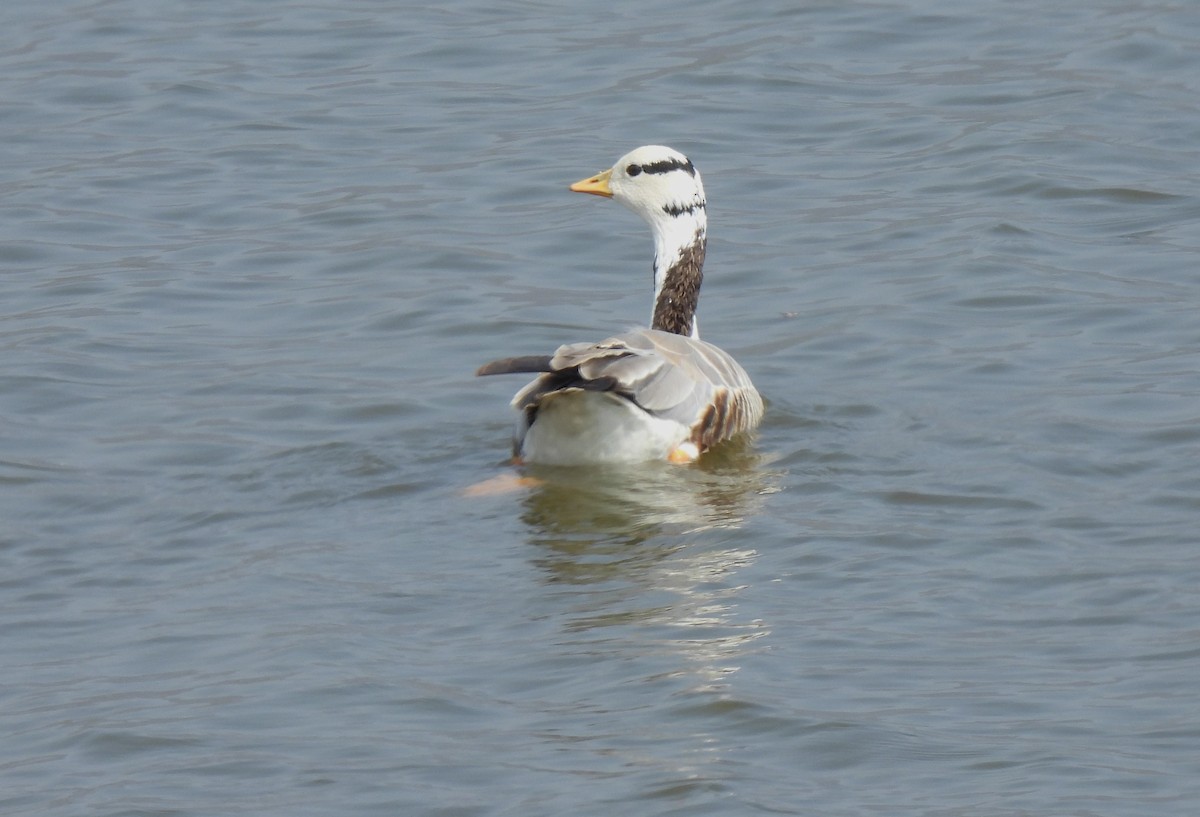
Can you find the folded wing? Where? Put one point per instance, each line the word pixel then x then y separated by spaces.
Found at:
pixel 669 376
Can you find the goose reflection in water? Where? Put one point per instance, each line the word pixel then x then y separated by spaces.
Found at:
pixel 653 548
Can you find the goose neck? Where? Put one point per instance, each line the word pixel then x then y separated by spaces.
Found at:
pixel 678 274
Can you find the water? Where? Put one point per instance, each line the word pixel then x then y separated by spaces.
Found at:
pixel 252 253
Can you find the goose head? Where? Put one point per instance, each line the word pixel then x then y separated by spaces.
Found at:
pixel 658 183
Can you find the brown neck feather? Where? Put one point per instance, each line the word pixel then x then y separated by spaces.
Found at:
pixel 675 308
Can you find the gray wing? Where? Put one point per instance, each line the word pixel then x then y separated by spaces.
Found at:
pixel 670 376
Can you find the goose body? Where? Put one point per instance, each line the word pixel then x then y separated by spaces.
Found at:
pixel 645 394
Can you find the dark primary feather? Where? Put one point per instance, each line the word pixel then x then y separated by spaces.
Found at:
pixel 516 365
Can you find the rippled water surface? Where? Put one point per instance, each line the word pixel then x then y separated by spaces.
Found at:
pixel 251 254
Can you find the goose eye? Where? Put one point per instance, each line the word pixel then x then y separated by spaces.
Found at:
pixel 633 170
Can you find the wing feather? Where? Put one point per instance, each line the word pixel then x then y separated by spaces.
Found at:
pixel 670 376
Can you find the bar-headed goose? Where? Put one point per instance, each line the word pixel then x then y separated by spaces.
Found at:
pixel 645 394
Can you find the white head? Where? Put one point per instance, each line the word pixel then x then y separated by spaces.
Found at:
pixel 658 183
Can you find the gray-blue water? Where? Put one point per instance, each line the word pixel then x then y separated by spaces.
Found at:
pixel 251 254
